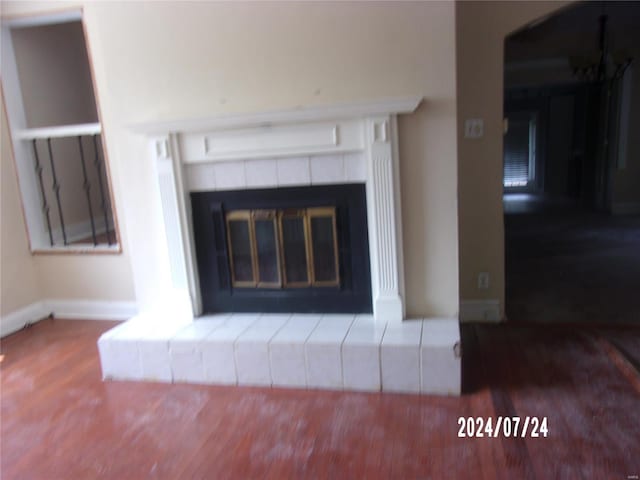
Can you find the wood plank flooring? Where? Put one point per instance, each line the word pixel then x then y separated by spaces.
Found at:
pixel 568 265
pixel 60 421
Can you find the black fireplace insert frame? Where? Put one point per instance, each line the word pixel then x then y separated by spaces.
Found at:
pixel 209 228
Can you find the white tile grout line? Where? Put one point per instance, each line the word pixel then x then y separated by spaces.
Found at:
pixel 304 342
pixel 198 348
pixel 269 347
pixel 380 354
pixel 304 345
pixel 304 352
pixel 235 363
pixel 353 319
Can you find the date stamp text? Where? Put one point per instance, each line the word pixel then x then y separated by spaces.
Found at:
pixel 506 427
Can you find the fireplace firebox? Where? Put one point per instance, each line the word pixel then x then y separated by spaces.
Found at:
pixel 299 249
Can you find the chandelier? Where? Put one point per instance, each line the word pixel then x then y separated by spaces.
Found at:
pixel 602 64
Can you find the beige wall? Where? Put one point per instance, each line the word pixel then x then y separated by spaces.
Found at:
pixel 55 77
pixel 165 60
pixel 19 282
pixel 481 28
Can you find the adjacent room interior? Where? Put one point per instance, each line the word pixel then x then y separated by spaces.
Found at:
pixel 571 168
pixel 320 239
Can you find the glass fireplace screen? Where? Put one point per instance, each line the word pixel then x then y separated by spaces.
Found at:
pixel 283 248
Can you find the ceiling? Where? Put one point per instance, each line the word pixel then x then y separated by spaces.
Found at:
pixel 574 31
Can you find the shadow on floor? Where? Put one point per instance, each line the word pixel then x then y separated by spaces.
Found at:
pixel 567 265
pixel 516 358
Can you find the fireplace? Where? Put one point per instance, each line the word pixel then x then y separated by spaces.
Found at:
pixel 273 214
pixel 284 250
pixel 225 160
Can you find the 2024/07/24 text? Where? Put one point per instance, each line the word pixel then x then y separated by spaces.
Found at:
pixel 506 427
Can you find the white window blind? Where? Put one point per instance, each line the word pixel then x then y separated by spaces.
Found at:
pixel 519 153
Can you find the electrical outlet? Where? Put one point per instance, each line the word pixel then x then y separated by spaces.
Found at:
pixel 474 128
pixel 483 280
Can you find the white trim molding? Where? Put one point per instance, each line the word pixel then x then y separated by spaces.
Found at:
pixel 59 132
pixel 91 309
pixel 44 19
pixel 297 115
pixel 19 319
pixel 486 311
pixel 288 140
pixel 67 310
pixel 384 224
pixel 323 144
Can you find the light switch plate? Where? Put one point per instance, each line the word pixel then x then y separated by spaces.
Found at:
pixel 474 128
pixel 483 280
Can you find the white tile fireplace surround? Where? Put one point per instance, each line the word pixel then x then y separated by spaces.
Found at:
pixel 355 143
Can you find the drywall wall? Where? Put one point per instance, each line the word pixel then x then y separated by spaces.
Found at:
pixel 19 281
pixel 54 75
pixel 247 57
pixel 481 28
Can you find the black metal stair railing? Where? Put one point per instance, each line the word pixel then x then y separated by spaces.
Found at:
pixel 45 205
pixel 86 185
pixel 57 185
pixel 103 204
pixel 56 189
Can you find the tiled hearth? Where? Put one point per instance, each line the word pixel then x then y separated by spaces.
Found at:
pixel 350 352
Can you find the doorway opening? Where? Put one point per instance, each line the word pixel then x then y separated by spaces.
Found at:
pixel 572 167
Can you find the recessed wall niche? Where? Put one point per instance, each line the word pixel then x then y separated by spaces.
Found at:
pixel 57 134
pixel 55 76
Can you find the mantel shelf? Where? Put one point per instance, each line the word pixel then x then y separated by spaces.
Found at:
pixel 265 119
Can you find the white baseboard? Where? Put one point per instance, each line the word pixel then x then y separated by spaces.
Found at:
pixel 628 208
pixel 92 309
pixel 20 318
pixel 66 309
pixel 480 311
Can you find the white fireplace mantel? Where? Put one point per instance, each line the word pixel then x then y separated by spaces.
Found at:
pixel 390 106
pixel 331 144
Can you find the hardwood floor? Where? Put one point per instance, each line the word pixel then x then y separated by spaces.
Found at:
pixel 566 265
pixel 60 421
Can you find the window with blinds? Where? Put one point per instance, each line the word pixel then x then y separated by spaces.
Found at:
pixel 519 152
